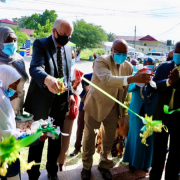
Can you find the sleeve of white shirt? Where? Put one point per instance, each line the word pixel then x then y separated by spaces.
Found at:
pixel 167 83
pixel 125 83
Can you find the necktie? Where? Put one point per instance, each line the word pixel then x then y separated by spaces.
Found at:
pixel 60 62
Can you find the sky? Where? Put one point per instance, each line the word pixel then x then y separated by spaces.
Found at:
pixel 158 18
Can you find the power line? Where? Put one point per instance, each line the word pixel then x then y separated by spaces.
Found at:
pixel 80 5
pixel 168 30
pixel 70 12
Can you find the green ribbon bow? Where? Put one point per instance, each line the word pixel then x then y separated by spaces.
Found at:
pixel 49 129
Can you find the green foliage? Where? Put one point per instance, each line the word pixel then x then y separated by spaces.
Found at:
pixel 86 53
pixel 21 37
pixel 31 22
pixel 110 37
pixel 20 21
pixel 43 31
pixel 87 35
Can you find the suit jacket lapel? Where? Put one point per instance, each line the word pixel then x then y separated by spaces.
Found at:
pixel 52 51
pixel 114 67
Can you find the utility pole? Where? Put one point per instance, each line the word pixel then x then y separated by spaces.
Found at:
pixel 135 37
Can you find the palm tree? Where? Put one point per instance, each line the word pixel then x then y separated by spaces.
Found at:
pixel 110 37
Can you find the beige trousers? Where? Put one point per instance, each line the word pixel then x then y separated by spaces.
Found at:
pixel 108 134
pixel 67 128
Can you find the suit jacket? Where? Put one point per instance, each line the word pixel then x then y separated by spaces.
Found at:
pixel 165 93
pixel 106 76
pixel 44 63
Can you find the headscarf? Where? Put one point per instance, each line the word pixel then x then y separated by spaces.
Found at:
pixel 8 75
pixel 152 60
pixel 16 60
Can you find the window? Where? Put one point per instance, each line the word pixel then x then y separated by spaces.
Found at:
pixel 145 44
pixel 155 54
pixel 148 54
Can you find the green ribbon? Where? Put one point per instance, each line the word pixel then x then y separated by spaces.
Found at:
pixel 8 145
pixel 61 81
pixel 49 129
pixel 145 121
pixel 166 110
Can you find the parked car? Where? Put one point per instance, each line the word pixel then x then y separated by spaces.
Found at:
pixel 140 57
pixel 158 56
pixel 130 56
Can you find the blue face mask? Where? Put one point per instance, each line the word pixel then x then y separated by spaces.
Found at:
pixel 119 58
pixel 150 67
pixel 72 62
pixel 10 93
pixel 10 48
pixel 176 58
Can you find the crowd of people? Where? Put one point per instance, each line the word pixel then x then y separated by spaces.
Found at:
pixel 53 58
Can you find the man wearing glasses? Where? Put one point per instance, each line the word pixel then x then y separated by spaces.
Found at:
pixel 113 74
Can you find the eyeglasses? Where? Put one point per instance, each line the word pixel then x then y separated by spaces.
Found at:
pixel 115 51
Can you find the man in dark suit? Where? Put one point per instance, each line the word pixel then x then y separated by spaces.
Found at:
pixel 51 59
pixel 168 85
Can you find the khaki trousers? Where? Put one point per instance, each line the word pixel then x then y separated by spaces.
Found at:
pixel 109 126
pixel 67 128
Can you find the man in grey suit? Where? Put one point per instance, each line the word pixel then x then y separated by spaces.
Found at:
pixel 51 59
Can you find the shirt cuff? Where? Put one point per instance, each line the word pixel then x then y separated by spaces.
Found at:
pixel 167 83
pixel 125 83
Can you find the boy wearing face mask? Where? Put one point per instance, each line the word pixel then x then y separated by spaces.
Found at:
pixel 112 73
pixel 168 88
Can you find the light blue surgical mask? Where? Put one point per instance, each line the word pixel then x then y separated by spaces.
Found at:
pixel 10 48
pixel 176 58
pixel 72 62
pixel 150 67
pixel 119 58
pixel 10 93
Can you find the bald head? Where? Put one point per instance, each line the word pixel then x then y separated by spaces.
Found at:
pixel 177 48
pixel 120 46
pixel 170 54
pixel 63 28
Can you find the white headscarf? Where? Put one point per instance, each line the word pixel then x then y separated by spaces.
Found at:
pixel 8 75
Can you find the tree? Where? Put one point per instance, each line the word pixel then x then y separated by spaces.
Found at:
pixel 31 22
pixel 20 21
pixel 21 36
pixel 110 37
pixel 44 31
pixel 87 35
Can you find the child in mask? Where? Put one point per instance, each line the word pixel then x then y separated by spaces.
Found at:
pixel 72 114
pixel 9 56
pixel 143 102
pixel 9 80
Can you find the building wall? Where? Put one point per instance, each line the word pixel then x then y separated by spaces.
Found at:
pixel 9 25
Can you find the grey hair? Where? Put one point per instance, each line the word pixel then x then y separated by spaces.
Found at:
pixel 58 23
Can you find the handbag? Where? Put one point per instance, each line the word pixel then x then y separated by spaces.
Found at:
pixel 124 124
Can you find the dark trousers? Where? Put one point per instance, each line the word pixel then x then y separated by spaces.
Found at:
pixel 80 129
pixel 58 112
pixel 160 146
